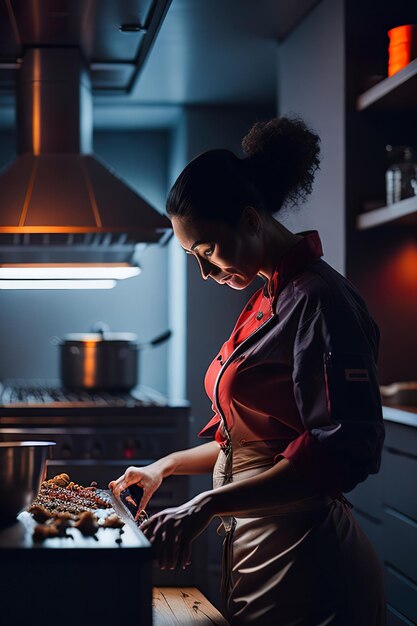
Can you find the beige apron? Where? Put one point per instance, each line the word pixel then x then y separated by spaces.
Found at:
pixel 307 563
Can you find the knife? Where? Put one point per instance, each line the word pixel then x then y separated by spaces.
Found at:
pixel 128 502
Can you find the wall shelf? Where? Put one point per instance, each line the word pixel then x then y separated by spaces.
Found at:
pixel 404 208
pixel 398 92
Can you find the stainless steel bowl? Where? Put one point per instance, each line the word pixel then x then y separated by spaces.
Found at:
pixel 22 468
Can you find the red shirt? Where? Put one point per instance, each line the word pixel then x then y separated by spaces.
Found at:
pixel 271 373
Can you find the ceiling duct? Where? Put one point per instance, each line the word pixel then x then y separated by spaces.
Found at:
pixel 60 207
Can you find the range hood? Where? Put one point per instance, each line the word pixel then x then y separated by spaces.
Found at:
pixel 63 213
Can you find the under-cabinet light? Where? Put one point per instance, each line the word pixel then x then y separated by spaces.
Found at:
pixel 67 271
pixel 57 284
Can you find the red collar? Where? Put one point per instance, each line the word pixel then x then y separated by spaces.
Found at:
pixel 304 252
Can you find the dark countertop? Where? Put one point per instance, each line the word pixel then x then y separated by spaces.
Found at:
pixel 19 535
pixel 406 415
pixel 77 579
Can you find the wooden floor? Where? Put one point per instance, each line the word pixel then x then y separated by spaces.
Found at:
pixel 183 606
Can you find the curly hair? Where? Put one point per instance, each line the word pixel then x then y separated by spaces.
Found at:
pixel 282 156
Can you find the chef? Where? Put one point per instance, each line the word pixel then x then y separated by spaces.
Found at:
pixel 297 415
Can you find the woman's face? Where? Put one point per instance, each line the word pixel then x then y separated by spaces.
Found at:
pixel 227 254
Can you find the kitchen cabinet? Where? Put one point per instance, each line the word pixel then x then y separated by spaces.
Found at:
pixel 385 506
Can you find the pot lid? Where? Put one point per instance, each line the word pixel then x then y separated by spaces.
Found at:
pixel 107 337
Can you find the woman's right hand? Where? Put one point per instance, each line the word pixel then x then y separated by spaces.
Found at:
pixel 198 460
pixel 148 478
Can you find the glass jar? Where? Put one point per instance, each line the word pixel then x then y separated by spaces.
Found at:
pixel 401 175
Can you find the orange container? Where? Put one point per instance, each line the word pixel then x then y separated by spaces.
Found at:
pixel 402 47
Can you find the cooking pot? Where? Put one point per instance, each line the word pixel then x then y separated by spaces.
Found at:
pixel 102 360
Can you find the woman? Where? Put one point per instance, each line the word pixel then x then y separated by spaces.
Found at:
pixel 295 394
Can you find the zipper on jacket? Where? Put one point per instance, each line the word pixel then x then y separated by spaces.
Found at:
pixel 228 475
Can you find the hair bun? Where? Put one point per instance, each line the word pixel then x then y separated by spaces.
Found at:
pixel 282 157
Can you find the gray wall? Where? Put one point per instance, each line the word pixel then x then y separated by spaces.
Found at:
pixel 177 277
pixel 28 319
pixel 311 83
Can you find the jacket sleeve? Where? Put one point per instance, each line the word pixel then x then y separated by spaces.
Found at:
pixel 337 393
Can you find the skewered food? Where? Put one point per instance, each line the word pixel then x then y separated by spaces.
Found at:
pixel 63 504
pixel 60 494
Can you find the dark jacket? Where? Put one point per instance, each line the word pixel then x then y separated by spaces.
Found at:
pixel 304 377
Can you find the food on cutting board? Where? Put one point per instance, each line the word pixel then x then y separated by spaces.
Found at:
pixel 87 523
pixel 39 513
pixel 44 531
pixel 113 521
pixel 60 494
pixel 63 504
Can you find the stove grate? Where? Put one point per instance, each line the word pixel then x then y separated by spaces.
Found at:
pixel 24 392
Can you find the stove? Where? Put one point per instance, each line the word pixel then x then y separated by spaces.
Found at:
pixel 30 395
pixel 97 434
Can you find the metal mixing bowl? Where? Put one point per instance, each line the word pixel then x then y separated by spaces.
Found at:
pixel 22 468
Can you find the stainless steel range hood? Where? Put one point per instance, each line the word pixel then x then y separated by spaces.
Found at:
pixel 60 207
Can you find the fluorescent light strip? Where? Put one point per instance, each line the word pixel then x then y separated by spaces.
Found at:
pixel 57 284
pixel 35 273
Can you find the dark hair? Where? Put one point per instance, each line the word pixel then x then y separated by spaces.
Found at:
pixel 282 156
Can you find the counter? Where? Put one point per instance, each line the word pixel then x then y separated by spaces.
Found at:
pixel 385 506
pixel 89 580
pixel 401 414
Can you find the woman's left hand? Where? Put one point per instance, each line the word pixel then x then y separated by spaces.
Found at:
pixel 172 531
